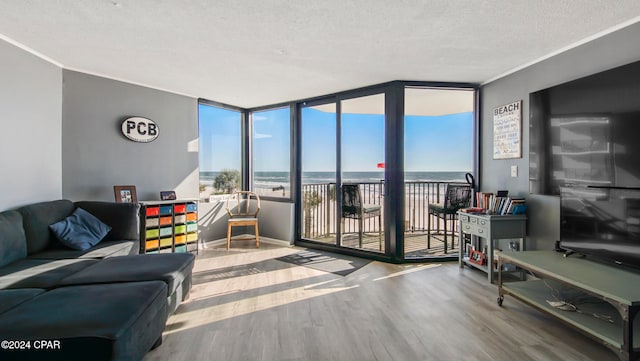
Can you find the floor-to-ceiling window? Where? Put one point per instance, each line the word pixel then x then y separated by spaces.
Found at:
pixel 362 163
pixel 318 170
pixel 220 143
pixel 342 150
pixel 438 152
pixel 348 204
pixel 348 195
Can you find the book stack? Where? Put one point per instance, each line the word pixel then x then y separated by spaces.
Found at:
pixel 499 203
pixel 483 199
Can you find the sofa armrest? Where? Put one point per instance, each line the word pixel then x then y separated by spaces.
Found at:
pixel 124 218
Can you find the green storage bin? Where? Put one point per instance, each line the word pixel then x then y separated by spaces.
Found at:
pixel 181 229
pixel 192 227
pixel 152 233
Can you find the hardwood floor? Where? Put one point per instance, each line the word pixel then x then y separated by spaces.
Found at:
pixel 245 305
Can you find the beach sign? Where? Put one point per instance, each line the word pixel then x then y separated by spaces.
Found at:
pixel 507 131
pixel 139 129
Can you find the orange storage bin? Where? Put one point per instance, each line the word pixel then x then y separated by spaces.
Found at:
pixel 152 244
pixel 165 221
pixel 192 217
pixel 181 239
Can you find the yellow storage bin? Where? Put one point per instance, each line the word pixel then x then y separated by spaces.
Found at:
pixel 166 242
pixel 192 237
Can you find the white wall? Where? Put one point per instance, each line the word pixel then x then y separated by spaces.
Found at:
pixel 30 119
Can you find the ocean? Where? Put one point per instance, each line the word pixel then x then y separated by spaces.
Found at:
pixel 266 180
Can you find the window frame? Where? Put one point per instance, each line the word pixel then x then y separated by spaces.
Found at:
pixel 243 117
pixel 290 198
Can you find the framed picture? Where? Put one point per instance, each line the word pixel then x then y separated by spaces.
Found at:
pixel 477 257
pixel 507 131
pixel 168 195
pixel 125 194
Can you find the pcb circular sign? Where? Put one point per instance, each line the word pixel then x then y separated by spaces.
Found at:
pixel 140 129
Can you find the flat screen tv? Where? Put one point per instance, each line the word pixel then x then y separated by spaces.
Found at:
pixel 584 146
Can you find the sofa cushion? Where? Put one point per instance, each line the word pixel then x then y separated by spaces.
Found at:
pixel 103 249
pixel 13 242
pixel 80 231
pixel 172 268
pixel 96 322
pixel 40 273
pixel 11 298
pixel 36 219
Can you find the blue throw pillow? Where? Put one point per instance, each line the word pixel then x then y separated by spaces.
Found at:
pixel 80 231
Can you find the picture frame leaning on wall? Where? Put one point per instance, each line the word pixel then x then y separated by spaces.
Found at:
pixel 125 194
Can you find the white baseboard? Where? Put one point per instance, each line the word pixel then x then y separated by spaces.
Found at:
pixel 216 242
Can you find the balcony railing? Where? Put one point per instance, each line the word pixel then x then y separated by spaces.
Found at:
pixel 319 218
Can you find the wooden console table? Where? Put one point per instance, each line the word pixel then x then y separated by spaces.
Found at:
pixel 610 320
pixel 490 227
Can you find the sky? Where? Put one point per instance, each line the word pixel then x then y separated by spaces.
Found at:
pixel 432 143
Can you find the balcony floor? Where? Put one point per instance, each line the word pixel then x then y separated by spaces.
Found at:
pixel 415 244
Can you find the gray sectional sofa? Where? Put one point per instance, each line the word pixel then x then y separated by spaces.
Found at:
pixel 104 303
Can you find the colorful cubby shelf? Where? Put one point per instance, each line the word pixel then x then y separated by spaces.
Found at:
pixel 169 226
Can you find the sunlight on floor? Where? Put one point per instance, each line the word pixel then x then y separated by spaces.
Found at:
pixel 410 270
pixel 215 313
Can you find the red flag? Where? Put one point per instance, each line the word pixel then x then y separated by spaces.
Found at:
pixel 381 165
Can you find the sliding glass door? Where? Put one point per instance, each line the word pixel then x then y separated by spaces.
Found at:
pixel 342 167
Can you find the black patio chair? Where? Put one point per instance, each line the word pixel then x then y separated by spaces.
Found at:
pixel 354 208
pixel 456 197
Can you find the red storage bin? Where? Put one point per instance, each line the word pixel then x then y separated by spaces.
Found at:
pixel 179 208
pixel 153 211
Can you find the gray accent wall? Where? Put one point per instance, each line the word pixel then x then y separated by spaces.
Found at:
pixel 96 155
pixel 604 53
pixel 30 119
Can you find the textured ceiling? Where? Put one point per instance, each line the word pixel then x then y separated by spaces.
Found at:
pixel 253 53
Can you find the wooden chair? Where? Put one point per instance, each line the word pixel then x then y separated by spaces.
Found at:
pixel 456 197
pixel 243 208
pixel 353 207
